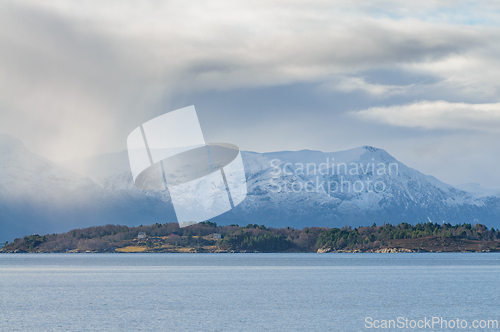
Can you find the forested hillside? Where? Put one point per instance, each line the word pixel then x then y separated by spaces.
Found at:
pixel 208 237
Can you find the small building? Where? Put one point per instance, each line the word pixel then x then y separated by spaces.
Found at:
pixel 141 235
pixel 216 236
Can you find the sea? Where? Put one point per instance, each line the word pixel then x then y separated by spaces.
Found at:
pixel 250 292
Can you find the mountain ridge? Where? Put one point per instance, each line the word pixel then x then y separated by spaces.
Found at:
pixel 37 195
pixel 257 167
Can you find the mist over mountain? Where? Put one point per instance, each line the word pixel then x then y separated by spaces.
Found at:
pixel 39 196
pixel 299 189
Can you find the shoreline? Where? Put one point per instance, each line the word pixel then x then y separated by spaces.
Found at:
pixel 195 251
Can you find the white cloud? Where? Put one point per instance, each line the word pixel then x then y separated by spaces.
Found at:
pixel 437 115
pixel 350 84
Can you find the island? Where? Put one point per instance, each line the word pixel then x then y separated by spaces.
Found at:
pixel 208 237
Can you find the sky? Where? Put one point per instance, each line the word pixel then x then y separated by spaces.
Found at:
pixel 418 79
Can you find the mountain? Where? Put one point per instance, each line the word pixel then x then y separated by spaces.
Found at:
pixel 403 195
pixel 39 196
pixel 377 188
pixel 299 189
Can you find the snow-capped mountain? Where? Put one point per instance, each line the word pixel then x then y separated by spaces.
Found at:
pixel 304 188
pixel 312 188
pixel 367 185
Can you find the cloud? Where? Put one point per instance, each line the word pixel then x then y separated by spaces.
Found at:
pixel 351 84
pixel 228 44
pixel 437 115
pixel 76 77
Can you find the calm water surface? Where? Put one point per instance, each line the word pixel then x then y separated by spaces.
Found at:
pixel 244 292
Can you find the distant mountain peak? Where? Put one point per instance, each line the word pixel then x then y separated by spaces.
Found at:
pixel 371 148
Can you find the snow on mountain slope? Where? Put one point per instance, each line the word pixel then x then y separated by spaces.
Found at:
pixel 312 188
pixel 407 194
pixel 37 195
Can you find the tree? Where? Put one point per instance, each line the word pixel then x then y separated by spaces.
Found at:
pixel 209 223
